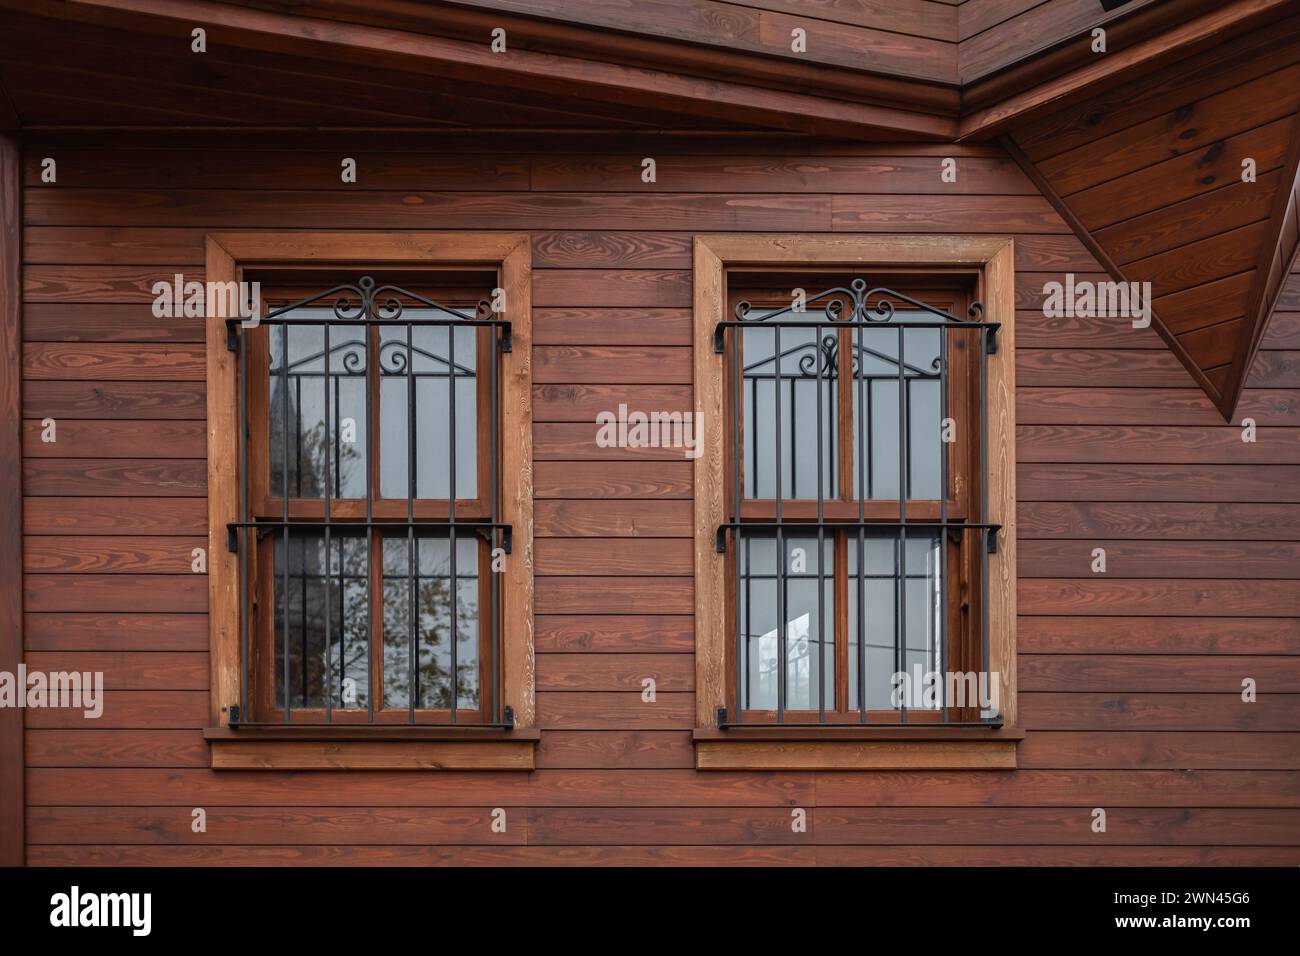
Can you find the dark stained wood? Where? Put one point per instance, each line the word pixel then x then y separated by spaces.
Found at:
pixel 1130 681
pixel 11 495
pixel 1145 635
pixel 1144 519
pixel 1186 714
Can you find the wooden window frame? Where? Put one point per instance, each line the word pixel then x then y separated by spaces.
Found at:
pixel 989 262
pixel 350 745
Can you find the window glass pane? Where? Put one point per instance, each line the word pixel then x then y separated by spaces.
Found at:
pixel 878 586
pixel 802 359
pixel 305 449
pixel 314 593
pixel 877 385
pixel 809 641
pixel 421 568
pixel 415 397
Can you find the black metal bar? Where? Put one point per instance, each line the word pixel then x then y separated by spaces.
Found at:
pixel 284 489
pixel 451 510
pixel 782 661
pixel 243 535
pixel 372 456
pixel 864 465
pixel 821 548
pixel 900 610
pixel 498 661
pixel 412 577
pixel 742 655
pixel 942 569
pixel 331 440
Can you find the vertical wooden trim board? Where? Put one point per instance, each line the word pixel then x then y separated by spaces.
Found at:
pixel 993 259
pixel 11 495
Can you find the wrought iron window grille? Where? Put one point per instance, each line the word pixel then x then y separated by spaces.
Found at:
pixel 368 305
pixel 855 308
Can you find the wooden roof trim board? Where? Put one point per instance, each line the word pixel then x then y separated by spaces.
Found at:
pixel 404 51
pixel 680 75
pixel 1277 256
pixel 1101 73
pixel 1107 263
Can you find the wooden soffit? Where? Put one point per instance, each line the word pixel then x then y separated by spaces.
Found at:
pixel 1186 179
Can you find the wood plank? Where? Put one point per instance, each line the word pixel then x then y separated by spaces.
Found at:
pixel 131 709
pixel 98 515
pixel 11 496
pixel 1173 445
pixel 1160 673
pixel 1158 751
pixel 670 788
pixel 240 169
pixel 944 214
pixel 615 633
pixel 116 748
pixel 614 556
pixel 114 592
pixel 112 362
pixel 616 749
pixel 636 288
pixel 877 174
pixel 1189 127
pixel 583 441
pixel 1197 263
pixel 114 477
pixel 419 755
pixel 1212 168
pixel 596 595
pixel 1149 406
pixel 1189 220
pixel 667 856
pixel 583 403
pixel 1124 826
pixel 156 401
pixel 308 825
pixel 1145 635
pixel 624 365
pixel 77 438
pixel 613 519
pixel 110 555
pixel 1109 482
pixel 1161 559
pixel 104 322
pixel 305 209
pixel 1183 520
pixel 1185 714
pixel 611 710
pixel 1100 367
pixel 615 672
pixel 612 326
pixel 657 250
pixel 127 670
pixel 116 632
pixel 614 479
pixel 1171 597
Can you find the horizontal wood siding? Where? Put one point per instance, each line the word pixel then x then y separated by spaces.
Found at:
pixel 1130 681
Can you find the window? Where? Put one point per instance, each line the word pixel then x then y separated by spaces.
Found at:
pixel 377 519
pixel 851 502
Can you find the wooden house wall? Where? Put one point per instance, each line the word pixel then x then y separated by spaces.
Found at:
pixel 1130 681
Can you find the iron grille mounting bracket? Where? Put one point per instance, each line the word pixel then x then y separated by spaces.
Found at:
pixel 509 717
pixel 234 716
pixel 507 338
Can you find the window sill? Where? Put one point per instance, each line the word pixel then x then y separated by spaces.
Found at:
pixel 372 748
pixel 856 748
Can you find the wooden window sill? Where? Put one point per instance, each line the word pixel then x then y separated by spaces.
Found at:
pixel 857 748
pixel 372 748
